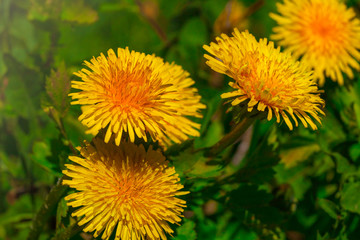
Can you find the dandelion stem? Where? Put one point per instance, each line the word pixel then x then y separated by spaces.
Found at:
pixel 152 21
pixel 230 138
pixel 46 210
pixel 69 232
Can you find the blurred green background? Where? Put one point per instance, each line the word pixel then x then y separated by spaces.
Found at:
pixel 289 185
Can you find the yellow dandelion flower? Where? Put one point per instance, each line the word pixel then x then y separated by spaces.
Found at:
pixel 125 187
pixel 138 94
pixel 266 79
pixel 325 33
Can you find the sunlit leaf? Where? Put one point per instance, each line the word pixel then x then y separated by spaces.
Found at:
pixel 42 10
pixel 350 197
pixel 291 157
pixel 329 207
pixel 195 165
pixel 78 11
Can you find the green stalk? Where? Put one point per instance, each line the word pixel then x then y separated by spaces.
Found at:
pixel 230 138
pixel 46 210
pixel 69 232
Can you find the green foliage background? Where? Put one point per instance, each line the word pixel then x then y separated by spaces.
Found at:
pixel 275 184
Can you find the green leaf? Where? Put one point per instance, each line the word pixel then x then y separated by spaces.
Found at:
pixel 119 6
pixel 306 219
pixel 292 176
pixel 248 195
pixel 42 10
pixel 194 33
pixel 2 232
pixel 211 107
pixel 325 237
pixel 234 231
pixel 329 207
pixel 266 214
pixel 332 132
pixel 350 197
pixel 354 225
pixel 355 152
pixel 16 218
pixel 20 211
pixel 291 157
pixel 254 200
pixel 21 28
pixel 78 11
pixel 58 88
pixel 194 165
pixel 61 212
pixel 205 170
pixel 41 151
pixel 357 113
pixel 213 8
pixel 347 103
pixel 3 67
pixel 342 164
pixel 75 130
pixel 211 136
pixel 322 163
pixel 207 229
pixel 18 96
pixel 258 165
pixel 186 231
pixel 172 7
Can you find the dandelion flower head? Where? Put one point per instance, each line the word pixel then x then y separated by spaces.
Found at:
pixel 265 79
pixel 324 33
pixel 125 188
pixel 138 94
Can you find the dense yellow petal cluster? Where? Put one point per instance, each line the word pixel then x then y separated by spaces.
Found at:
pixel 138 94
pixel 325 33
pixel 125 187
pixel 266 79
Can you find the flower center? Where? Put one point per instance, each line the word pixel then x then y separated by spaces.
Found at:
pixel 261 83
pixel 131 90
pixel 131 187
pixel 129 191
pixel 323 31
